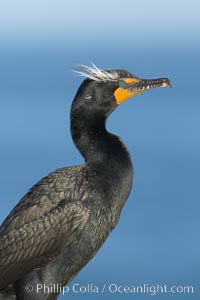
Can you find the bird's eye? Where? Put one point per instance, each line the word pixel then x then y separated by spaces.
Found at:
pixel 122 83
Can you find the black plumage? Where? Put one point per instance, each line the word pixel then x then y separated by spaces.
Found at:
pixel 60 224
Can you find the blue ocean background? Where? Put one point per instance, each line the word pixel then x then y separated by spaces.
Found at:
pixel 157 238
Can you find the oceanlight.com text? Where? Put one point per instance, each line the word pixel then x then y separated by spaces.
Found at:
pixel 110 288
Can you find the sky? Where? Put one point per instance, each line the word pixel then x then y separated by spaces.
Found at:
pixel 92 22
pixel 156 240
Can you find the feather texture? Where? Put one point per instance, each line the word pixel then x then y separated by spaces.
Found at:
pixel 94 73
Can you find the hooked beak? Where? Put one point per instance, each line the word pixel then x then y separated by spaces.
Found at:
pixel 147 84
pixel 135 86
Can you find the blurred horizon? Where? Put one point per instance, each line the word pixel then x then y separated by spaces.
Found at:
pixel 55 23
pixel 156 240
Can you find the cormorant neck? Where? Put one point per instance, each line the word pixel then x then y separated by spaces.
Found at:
pixel 94 142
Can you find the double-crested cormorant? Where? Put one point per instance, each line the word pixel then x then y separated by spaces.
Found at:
pixel 60 224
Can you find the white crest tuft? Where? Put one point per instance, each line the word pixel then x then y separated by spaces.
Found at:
pixel 95 73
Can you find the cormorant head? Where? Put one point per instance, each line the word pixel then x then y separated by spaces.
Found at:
pixel 103 91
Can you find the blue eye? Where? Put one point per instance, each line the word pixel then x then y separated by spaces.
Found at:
pixel 122 83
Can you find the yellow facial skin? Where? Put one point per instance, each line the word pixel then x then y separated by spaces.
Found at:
pixel 122 94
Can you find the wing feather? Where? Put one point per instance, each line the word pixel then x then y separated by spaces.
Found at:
pixel 42 224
